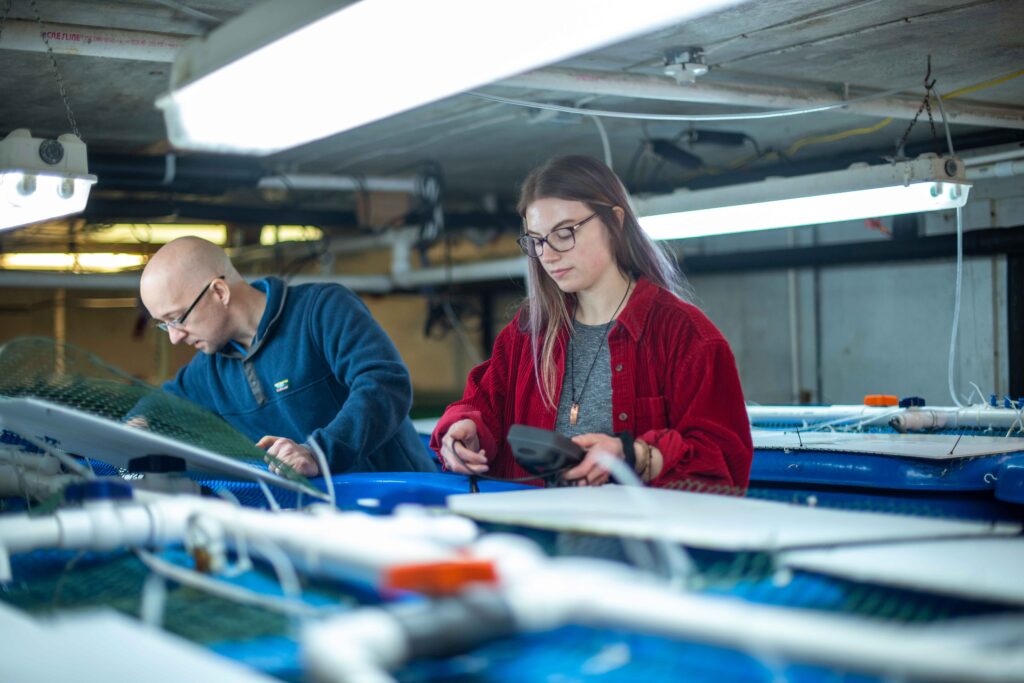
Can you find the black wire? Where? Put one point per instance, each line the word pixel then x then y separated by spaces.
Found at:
pixel 551 474
pixel 631 171
pixel 296 264
pixel 757 147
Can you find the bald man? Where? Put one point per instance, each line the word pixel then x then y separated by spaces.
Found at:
pixel 285 365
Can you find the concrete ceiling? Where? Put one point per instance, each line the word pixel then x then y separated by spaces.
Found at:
pixel 796 47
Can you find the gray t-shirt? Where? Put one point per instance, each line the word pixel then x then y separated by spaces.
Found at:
pixel 593 395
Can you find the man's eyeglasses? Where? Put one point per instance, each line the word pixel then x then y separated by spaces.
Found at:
pixel 561 239
pixel 179 322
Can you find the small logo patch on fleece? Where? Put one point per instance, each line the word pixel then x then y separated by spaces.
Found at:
pixel 281 386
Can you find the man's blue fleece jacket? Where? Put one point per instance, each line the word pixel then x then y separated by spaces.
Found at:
pixel 319 368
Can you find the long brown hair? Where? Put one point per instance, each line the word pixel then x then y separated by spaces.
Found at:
pixel 587 180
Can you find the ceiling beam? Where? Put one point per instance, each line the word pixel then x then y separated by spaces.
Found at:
pixel 637 86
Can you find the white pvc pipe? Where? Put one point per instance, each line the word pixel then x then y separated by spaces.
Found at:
pixel 545 594
pixel 348 545
pixel 746 95
pixel 484 271
pixel 1017 152
pixel 37 462
pixel 500 269
pixel 300 181
pixel 357 648
pixel 16 482
pixel 969 416
pixel 999 169
pixel 351 543
pixel 44 280
pixel 91 41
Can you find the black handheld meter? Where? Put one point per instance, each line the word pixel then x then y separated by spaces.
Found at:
pixel 542 451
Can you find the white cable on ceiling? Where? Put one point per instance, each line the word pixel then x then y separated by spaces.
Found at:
pixel 684 117
pixel 605 146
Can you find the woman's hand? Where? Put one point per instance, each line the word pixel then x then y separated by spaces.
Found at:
pixel 589 472
pixel 460 449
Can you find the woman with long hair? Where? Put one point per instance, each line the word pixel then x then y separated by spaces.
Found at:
pixel 606 349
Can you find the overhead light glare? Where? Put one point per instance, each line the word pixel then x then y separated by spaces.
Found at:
pixel 41 179
pixel 922 185
pixel 81 262
pixel 157 233
pixel 277 234
pixel 286 73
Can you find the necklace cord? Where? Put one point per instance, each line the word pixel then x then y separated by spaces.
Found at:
pixel 572 359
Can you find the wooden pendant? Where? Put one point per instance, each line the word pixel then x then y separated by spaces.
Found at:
pixel 574 413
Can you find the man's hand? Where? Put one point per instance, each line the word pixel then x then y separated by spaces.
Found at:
pixel 460 449
pixel 299 458
pixel 138 422
pixel 589 472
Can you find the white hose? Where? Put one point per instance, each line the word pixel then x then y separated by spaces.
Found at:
pixel 677 562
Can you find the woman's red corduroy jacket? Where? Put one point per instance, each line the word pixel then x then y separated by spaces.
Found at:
pixel 674 384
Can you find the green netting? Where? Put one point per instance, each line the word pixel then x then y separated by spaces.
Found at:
pixel 879 501
pixel 53 582
pixel 41 368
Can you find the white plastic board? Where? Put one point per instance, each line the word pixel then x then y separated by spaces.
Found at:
pixel 102 646
pixel 705 520
pixel 115 443
pixel 979 568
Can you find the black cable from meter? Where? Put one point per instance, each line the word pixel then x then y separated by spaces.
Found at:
pixel 551 474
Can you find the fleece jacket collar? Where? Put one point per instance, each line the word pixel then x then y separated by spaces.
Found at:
pixel 276 292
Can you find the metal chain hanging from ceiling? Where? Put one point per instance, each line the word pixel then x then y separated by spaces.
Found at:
pixel 929 89
pixel 56 71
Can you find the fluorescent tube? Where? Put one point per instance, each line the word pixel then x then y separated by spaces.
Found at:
pixel 927 184
pixel 287 73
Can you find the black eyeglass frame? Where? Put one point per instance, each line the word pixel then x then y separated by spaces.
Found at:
pixel 539 243
pixel 179 322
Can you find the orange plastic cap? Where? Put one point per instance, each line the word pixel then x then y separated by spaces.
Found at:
pixel 439 578
pixel 881 400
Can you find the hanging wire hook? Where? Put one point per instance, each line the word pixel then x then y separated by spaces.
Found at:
pixel 928 74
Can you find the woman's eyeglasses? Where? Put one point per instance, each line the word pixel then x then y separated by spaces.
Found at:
pixel 560 239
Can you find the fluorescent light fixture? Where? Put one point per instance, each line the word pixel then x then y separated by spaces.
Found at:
pixel 278 234
pixel 287 73
pixel 861 191
pixel 157 233
pixel 41 179
pixel 83 262
pixel 162 233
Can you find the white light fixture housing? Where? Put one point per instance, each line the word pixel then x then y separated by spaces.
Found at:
pixel 927 183
pixel 41 178
pixel 286 73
